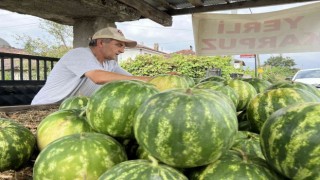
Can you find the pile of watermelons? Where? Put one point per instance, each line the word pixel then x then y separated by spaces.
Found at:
pixel 172 128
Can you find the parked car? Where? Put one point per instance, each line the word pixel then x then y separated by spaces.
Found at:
pixel 308 76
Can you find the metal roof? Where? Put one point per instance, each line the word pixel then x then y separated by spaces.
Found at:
pixel 160 11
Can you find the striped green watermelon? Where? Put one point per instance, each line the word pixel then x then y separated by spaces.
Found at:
pixel 299 85
pixel 141 153
pixel 142 169
pixel 249 143
pixel 186 127
pixel 235 164
pixel 259 84
pixel 17 144
pixel 78 156
pixel 221 87
pixel 74 102
pixel 264 104
pixel 189 80
pixel 213 78
pixel 245 91
pixel 112 107
pixel 290 141
pixel 59 124
pixel 167 81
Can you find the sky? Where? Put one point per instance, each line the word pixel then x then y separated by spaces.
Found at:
pixel 146 32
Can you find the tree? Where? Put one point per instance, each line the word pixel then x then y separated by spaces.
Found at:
pixel 279 61
pixel 56 44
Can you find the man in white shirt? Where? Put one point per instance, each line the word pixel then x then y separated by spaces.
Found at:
pixel 83 70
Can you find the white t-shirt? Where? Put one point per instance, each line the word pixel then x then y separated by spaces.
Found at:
pixel 67 76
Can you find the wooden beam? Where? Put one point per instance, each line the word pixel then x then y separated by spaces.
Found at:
pixel 166 4
pixel 150 12
pixel 235 5
pixel 196 3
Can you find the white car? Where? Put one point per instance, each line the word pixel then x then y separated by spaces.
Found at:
pixel 308 76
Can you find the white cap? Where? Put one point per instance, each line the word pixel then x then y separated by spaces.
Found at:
pixel 113 33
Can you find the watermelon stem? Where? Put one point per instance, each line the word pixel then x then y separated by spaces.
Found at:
pixel 83 113
pixel 153 160
pixel 243 154
pixel 189 91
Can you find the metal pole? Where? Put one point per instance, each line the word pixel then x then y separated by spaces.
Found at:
pixel 255 66
pixel 259 66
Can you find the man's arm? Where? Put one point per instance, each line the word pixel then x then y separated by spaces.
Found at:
pixel 101 76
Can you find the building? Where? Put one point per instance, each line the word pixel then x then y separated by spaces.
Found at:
pixel 7 63
pixel 139 50
pixel 185 51
pixel 5 47
pixel 238 64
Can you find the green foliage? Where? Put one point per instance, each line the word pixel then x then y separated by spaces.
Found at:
pixel 56 44
pixel 279 61
pixel 190 65
pixel 277 74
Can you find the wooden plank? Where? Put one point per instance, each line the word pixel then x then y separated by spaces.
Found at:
pixel 235 5
pixel 150 12
pixel 27 107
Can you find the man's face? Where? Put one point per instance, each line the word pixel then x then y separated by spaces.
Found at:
pixel 112 48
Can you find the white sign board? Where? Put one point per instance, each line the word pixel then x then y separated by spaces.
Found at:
pixel 292 30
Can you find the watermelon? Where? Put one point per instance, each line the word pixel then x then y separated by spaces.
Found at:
pixel 59 124
pixel 17 144
pixel 209 84
pixel 259 84
pixel 213 78
pixel 74 102
pixel 141 153
pixel 189 80
pixel 78 156
pixel 142 169
pixel 245 91
pixel 264 104
pixel 249 143
pixel 186 127
pixel 235 164
pixel 111 108
pixel 299 85
pixel 221 87
pixel 290 141
pixel 167 82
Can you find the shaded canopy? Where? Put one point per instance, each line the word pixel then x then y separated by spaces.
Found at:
pixel 89 16
pixel 160 11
